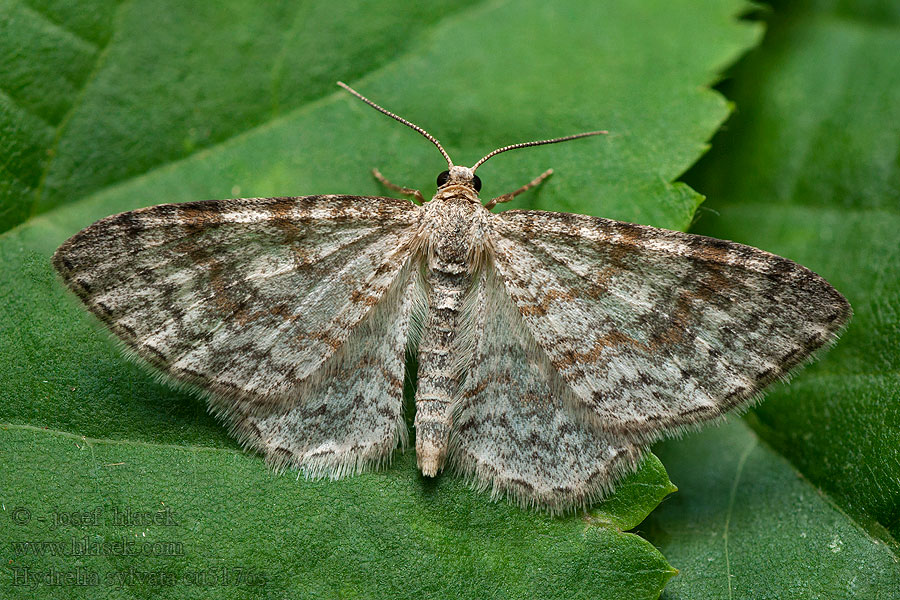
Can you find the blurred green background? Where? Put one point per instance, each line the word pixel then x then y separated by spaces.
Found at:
pixel 107 106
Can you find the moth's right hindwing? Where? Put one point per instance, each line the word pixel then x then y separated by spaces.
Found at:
pixel 514 431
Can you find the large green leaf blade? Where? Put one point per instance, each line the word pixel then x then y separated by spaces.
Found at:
pixel 505 80
pixel 223 513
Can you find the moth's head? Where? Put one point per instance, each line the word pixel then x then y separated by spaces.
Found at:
pixel 459 176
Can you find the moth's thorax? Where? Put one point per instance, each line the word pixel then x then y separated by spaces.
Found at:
pixel 454 231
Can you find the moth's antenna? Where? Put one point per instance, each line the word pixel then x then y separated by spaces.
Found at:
pixel 536 143
pixel 398 118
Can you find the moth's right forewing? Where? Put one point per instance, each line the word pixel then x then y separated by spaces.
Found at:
pixel 655 330
pixel 243 298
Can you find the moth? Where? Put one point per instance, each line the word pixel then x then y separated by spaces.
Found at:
pixel 552 348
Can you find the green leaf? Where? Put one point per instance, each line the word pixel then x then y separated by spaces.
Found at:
pixel 745 524
pixel 219 100
pixel 97 92
pixel 807 169
pixel 314 539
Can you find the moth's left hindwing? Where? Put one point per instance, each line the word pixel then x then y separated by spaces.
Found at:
pixel 257 301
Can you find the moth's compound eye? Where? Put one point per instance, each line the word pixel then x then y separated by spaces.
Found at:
pixel 443 178
pixel 476 181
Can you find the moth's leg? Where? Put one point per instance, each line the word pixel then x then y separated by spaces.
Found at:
pixel 398 188
pixel 507 197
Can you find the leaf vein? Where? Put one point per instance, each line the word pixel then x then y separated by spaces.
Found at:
pixel 76 103
pixel 76 37
pixel 739 469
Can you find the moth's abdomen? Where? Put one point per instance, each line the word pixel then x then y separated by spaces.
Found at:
pixel 438 368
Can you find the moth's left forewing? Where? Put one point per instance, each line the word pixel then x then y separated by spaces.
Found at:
pixel 291 314
pixel 244 298
pixel 655 329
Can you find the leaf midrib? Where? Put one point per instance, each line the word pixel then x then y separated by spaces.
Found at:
pixel 119 442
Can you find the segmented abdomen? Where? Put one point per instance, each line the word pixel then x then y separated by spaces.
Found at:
pixel 438 366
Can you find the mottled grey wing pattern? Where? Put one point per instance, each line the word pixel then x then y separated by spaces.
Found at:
pixel 349 417
pixel 654 329
pixel 249 298
pixel 580 339
pixel 514 430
